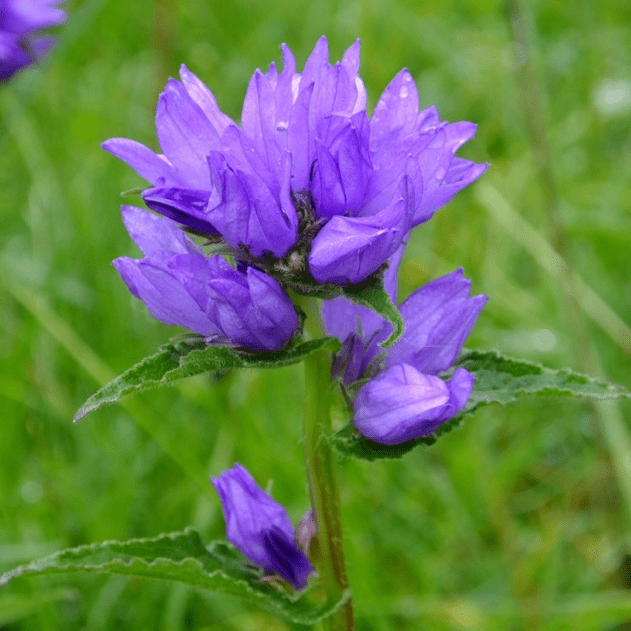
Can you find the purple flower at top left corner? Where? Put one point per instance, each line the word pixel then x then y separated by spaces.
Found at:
pixel 182 286
pixel 260 528
pixel 20 42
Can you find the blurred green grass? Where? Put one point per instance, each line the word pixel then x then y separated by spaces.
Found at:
pixel 520 520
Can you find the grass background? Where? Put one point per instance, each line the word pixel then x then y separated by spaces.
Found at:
pixel 519 520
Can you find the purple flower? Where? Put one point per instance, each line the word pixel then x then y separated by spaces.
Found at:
pixel 407 398
pixel 20 20
pixel 260 528
pixel 308 186
pixel 180 285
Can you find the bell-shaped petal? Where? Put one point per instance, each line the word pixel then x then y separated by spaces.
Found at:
pixel 156 235
pixel 246 213
pixel 260 528
pixel 248 307
pixel 438 319
pixel 185 134
pixel 226 306
pixel 186 206
pixel 401 403
pixel 396 113
pixel 182 286
pixel 152 167
pixel 342 167
pixel 163 290
pixel 205 99
pixel 349 249
pixel 443 174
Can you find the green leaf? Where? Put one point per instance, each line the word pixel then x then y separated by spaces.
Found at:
pixel 499 379
pixel 182 557
pixel 189 357
pixel 371 293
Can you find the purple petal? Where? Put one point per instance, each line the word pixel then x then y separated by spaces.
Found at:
pixel 349 249
pixel 318 60
pixel 461 173
pixel 248 512
pixel 438 318
pixel 327 188
pixel 427 119
pixel 436 162
pixel 300 139
pixel 286 559
pixel 20 45
pixel 156 235
pixel 153 168
pixel 164 294
pixel 249 308
pixel 396 112
pixel 21 17
pixel 186 206
pixel 402 404
pixel 259 526
pixel 246 212
pixel 200 93
pixel 185 133
pixel 258 118
pixel 275 319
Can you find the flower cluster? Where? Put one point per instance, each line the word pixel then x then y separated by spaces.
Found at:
pixel 20 20
pixel 308 189
pixel 308 195
pixel 404 397
pixel 181 285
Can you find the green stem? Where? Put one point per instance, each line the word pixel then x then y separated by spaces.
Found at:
pixel 323 473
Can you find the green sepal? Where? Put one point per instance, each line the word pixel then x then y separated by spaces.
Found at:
pixel 182 557
pixel 499 379
pixel 191 356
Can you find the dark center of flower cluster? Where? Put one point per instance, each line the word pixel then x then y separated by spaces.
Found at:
pixel 292 270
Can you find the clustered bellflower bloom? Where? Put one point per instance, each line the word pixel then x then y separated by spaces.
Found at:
pixel 308 188
pixel 20 20
pixel 405 396
pixel 182 286
pixel 260 527
pixel 308 193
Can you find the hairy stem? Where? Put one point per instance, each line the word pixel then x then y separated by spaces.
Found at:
pixel 322 471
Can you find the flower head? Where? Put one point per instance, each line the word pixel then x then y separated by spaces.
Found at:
pixel 308 187
pixel 180 285
pixel 408 397
pixel 20 20
pixel 260 527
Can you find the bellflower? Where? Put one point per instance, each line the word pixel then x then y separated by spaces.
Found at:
pixel 260 528
pixel 308 187
pixel 20 45
pixel 182 286
pixel 405 395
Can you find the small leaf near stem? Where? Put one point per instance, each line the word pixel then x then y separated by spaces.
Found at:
pixel 322 471
pixel 371 293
